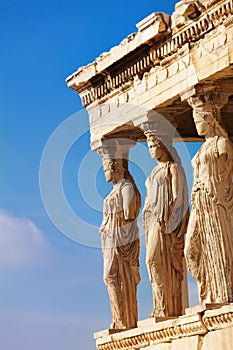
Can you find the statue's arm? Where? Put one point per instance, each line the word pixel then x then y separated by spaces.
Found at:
pixel 127 196
pixel 174 182
pixel 225 156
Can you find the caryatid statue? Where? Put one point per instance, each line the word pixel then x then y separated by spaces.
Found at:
pixel 165 218
pixel 209 242
pixel 120 235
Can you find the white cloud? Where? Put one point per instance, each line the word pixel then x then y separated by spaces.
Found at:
pixel 21 242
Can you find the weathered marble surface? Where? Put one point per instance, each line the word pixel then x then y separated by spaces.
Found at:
pixel 208 330
pixel 120 240
pixel 168 66
pixel 209 242
pixel 165 218
pixel 158 68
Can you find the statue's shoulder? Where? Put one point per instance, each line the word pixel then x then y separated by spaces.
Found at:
pixel 124 184
pixel 224 145
pixel 154 171
pixel 174 166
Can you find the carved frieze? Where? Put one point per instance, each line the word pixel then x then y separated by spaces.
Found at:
pixel 161 332
pixel 201 324
pixel 121 74
pixel 218 319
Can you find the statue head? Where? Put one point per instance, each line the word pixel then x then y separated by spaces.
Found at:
pixel 206 123
pixel 158 147
pixel 115 155
pixel 207 104
pixel 113 169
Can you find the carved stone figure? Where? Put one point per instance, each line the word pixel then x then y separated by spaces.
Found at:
pixel 209 242
pixel 165 216
pixel 120 243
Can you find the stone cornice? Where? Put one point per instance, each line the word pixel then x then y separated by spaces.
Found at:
pixel 159 24
pixel 103 79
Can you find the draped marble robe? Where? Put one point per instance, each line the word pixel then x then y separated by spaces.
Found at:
pixel 165 222
pixel 209 242
pixel 120 246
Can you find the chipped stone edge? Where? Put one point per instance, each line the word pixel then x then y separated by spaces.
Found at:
pixel 164 332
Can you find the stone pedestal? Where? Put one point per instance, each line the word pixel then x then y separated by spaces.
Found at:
pixel 208 327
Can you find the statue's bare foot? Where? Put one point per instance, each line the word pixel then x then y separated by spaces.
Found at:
pixel 155 313
pixel 117 325
pixel 152 314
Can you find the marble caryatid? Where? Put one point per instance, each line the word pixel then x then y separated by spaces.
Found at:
pixel 165 217
pixel 209 242
pixel 120 237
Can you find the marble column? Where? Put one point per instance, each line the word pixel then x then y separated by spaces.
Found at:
pixel 165 217
pixel 120 235
pixel 209 242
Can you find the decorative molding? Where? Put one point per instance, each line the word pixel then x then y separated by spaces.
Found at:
pixel 121 74
pixel 160 333
pixel 218 319
pixel 200 323
pixel 207 95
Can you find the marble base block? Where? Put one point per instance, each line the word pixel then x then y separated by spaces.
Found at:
pixel 201 328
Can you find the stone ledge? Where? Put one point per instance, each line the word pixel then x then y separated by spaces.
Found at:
pixel 150 333
pixel 219 319
pixel 156 25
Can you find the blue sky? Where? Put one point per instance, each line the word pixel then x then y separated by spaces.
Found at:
pixel 52 295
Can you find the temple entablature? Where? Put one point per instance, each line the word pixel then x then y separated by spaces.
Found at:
pixel 159 68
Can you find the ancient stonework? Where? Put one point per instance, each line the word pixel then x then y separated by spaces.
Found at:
pixel 196 331
pixel 165 218
pixel 209 242
pixel 120 237
pixel 178 67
